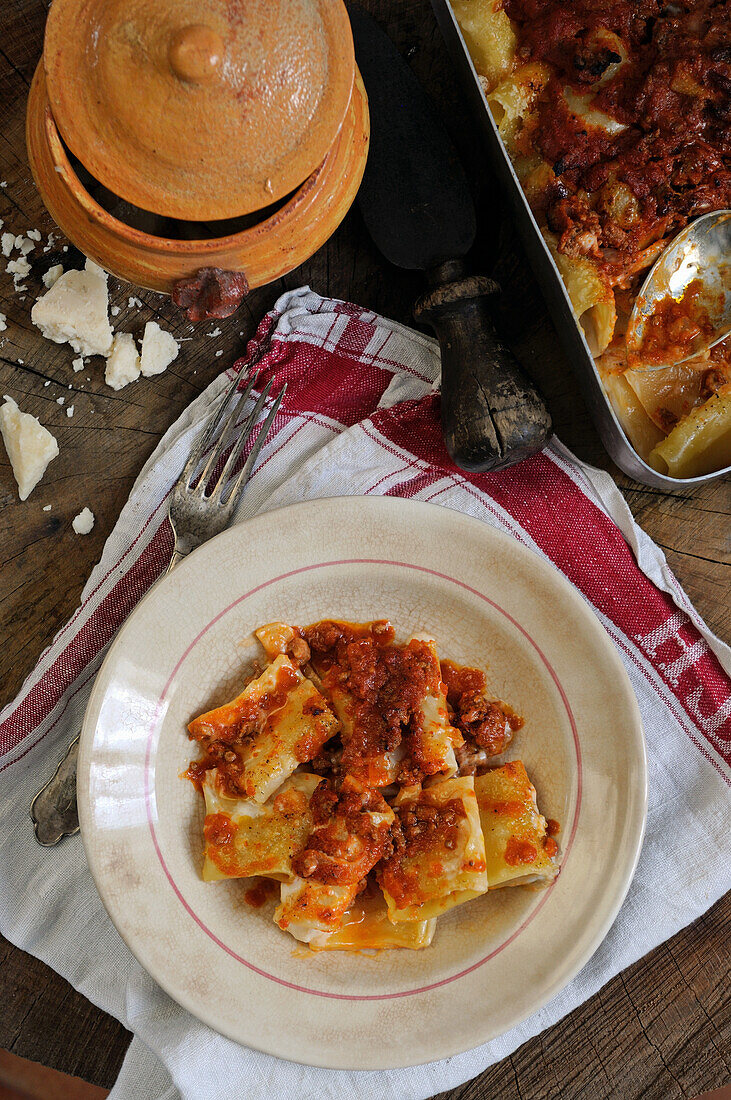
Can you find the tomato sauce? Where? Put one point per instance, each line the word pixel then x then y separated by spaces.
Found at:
pixel 486 723
pixel 550 847
pixel 225 733
pixel 421 826
pixel 384 685
pixel 347 840
pixel 673 328
pixel 378 690
pixel 520 851
pixel 662 71
pixel 258 894
pixel 219 830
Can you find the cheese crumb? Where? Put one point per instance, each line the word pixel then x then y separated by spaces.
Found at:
pixel 159 348
pixel 77 364
pixel 214 332
pixel 123 364
pixel 116 310
pixel 74 310
pixel 34 234
pixel 18 268
pixel 24 245
pixel 7 243
pixel 135 303
pixel 3 325
pixel 47 507
pixel 60 400
pixel 30 446
pixel 53 275
pixel 70 410
pixel 83 523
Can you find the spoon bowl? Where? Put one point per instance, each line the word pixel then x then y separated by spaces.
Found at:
pixel 684 306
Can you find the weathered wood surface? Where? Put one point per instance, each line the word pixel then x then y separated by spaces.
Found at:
pixel 663 1028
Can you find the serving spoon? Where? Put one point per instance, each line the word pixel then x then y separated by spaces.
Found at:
pixel 699 255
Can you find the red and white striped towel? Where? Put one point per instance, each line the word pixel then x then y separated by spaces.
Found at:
pixel 362 417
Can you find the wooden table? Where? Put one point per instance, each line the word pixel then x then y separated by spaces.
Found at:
pixel 662 1028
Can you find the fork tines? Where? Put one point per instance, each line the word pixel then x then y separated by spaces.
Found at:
pixel 203 485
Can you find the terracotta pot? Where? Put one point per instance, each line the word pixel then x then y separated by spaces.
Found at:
pixel 247 112
pixel 264 252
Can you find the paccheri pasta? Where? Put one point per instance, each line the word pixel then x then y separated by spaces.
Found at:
pixel 617 119
pixel 362 777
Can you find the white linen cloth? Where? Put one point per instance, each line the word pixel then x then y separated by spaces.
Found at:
pixel 361 417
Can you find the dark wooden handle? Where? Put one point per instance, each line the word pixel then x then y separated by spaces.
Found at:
pixel 492 414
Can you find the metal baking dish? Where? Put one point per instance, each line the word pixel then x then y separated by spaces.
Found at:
pixel 568 329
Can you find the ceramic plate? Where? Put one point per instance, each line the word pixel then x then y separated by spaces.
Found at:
pixel 488 602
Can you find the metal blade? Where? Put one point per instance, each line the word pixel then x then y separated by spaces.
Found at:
pixel 414 196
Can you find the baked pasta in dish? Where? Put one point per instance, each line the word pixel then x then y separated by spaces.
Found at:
pixel 363 779
pixel 616 115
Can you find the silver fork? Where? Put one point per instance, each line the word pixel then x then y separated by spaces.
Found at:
pixel 201 506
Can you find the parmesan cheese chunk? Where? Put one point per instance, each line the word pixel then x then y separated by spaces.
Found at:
pixel 53 275
pixel 83 523
pixel 3 325
pixel 18 268
pixel 159 348
pixel 74 311
pixel 123 364
pixel 30 446
pixel 7 242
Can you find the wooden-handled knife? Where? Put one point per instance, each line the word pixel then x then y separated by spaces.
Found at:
pixel 418 209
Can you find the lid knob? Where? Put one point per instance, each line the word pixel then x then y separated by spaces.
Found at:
pixel 196 53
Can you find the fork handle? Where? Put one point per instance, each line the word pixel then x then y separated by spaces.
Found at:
pixel 53 809
pixel 177 557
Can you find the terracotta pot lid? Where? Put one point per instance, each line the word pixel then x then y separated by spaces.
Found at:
pixel 199 109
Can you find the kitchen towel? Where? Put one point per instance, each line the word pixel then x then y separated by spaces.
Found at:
pixel 362 417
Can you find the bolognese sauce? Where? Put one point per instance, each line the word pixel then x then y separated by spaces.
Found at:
pixel 333 830
pixel 673 328
pixel 662 72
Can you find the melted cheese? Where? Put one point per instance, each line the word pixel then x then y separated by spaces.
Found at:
pixel 437 878
pixel 434 738
pixel 275 637
pixel 517 847
pixel 309 908
pixel 581 105
pixel 256 839
pixel 366 927
pixel 290 733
